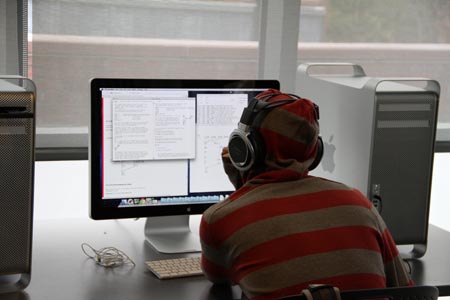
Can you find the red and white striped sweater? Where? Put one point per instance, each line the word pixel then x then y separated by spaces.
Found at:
pixel 274 239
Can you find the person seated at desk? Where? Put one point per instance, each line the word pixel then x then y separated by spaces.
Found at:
pixel 283 229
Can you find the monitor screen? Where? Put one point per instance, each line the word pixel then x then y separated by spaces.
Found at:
pixel 155 145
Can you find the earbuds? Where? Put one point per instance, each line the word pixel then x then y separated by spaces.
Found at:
pixel 107 257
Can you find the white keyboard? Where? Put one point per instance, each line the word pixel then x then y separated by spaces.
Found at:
pixel 175 267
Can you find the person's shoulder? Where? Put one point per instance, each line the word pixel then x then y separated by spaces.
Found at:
pixel 212 212
pixel 329 184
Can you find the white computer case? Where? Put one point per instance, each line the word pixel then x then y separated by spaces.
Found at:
pixel 379 136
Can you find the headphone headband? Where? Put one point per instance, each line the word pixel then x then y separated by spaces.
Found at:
pixel 258 105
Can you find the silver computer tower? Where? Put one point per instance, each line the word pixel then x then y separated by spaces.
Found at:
pixel 17 135
pixel 379 136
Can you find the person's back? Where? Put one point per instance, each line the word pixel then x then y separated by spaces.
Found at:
pixel 276 238
pixel 283 230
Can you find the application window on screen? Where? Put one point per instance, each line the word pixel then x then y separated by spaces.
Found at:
pixel 164 146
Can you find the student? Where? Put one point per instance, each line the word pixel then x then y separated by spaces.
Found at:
pixel 283 229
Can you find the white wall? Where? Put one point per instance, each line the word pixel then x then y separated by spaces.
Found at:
pixel 440 191
pixel 62 190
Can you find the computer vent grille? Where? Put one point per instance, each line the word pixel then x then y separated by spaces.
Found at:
pixel 16 186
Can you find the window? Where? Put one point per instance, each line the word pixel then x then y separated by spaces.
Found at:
pixel 71 42
pixel 13 46
pixel 74 41
pixel 401 38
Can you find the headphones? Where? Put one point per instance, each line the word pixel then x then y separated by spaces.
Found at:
pixel 246 146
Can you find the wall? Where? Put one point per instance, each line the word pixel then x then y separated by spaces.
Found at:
pixel 62 190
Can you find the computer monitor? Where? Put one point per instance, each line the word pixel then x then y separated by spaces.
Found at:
pixel 155 151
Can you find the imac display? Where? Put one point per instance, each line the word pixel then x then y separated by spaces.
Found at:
pixel 155 151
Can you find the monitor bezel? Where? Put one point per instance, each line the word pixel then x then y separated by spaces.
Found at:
pixel 100 212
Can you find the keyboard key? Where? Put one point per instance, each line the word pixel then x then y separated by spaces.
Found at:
pixel 176 267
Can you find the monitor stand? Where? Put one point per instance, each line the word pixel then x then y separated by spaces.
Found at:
pixel 171 234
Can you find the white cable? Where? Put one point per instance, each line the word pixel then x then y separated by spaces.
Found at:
pixel 108 257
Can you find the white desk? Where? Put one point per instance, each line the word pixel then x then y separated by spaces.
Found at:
pixel 60 270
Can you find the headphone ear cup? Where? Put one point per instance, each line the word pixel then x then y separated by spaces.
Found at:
pixel 245 149
pixel 319 154
pixel 239 149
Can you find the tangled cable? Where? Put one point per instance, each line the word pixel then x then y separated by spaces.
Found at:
pixel 108 257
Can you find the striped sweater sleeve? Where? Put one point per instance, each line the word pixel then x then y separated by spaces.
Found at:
pixel 213 260
pixel 395 267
